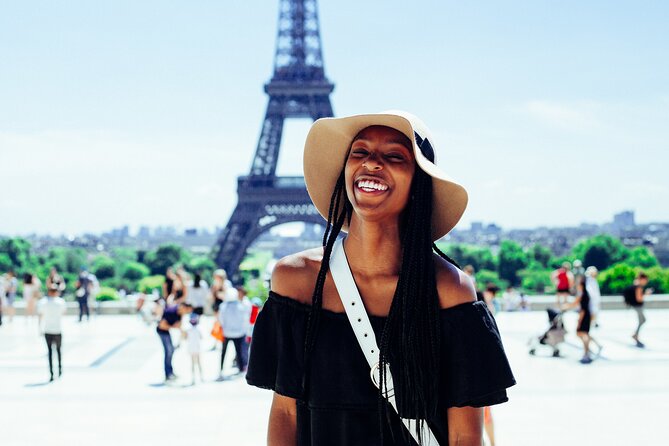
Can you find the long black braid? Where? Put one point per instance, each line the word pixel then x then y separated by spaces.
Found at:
pixel 340 209
pixel 411 335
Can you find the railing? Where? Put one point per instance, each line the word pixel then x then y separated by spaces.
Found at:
pixel 271 182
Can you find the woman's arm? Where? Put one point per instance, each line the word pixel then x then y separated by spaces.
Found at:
pixel 574 304
pixel 465 426
pixel 282 422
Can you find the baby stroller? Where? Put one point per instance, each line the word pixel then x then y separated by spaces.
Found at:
pixel 553 336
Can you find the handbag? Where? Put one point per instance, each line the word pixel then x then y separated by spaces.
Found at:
pixel 359 320
pixel 217 331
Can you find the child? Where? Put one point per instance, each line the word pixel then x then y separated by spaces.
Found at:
pixel 193 338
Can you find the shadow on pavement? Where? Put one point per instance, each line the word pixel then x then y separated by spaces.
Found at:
pixel 45 383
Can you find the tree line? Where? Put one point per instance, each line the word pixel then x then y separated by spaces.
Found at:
pixel 120 269
pixel 530 268
pixel 508 265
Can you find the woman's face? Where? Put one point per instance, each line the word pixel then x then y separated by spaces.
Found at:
pixel 378 173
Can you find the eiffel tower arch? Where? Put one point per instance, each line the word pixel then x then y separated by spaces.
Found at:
pixel 298 89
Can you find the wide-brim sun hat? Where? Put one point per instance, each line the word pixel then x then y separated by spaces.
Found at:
pixel 329 141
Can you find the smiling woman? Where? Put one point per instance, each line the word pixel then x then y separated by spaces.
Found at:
pixel 379 170
pixel 386 303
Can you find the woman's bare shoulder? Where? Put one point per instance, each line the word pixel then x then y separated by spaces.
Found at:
pixel 294 276
pixel 454 286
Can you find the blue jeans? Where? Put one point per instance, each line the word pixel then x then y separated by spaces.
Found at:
pixel 166 339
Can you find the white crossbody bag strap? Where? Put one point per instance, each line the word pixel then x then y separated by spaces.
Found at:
pixel 357 316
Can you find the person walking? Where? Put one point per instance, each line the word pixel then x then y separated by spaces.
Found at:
pixel 380 321
pixel 82 293
pixel 582 302
pixel 563 279
pixel 180 285
pixel 11 287
pixel 51 310
pixel 31 293
pixel 634 297
pixel 198 290
pixel 221 290
pixel 592 286
pixel 194 341
pixel 171 318
pixel 55 277
pixel 168 284
pixel 578 272
pixel 234 317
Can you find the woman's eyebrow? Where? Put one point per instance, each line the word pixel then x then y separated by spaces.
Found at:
pixel 389 141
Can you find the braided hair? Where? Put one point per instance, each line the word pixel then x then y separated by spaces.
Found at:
pixel 411 335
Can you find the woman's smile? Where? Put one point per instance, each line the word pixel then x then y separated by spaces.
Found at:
pixel 372 186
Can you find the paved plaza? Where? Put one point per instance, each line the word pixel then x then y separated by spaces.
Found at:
pixel 111 392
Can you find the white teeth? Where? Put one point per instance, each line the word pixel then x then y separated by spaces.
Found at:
pixel 369 184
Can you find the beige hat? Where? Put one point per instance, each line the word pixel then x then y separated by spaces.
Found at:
pixel 330 139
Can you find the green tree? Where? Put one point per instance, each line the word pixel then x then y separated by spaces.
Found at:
pixel 165 256
pixel 203 265
pixel 106 294
pixel 658 279
pixel 512 259
pixel 150 283
pixel 476 256
pixel 615 279
pixel 485 277
pixel 600 251
pixel 18 252
pixel 5 262
pixel 535 277
pixel 557 262
pixel 104 267
pixel 68 262
pixel 541 255
pixel 122 255
pixel 134 271
pixel 641 257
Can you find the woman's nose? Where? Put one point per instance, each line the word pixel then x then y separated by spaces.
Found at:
pixel 372 164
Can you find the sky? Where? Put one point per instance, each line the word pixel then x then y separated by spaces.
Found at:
pixel 145 113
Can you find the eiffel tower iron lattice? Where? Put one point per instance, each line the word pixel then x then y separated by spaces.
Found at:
pixel 297 89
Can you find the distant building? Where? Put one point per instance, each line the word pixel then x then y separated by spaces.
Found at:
pixel 623 220
pixel 144 232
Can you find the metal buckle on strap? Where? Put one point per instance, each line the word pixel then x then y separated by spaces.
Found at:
pixel 376 380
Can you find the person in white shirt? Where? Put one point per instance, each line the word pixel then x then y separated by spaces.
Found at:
pixel 198 290
pixel 234 317
pixel 193 341
pixel 51 310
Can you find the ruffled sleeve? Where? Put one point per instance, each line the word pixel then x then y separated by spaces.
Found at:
pixel 476 369
pixel 276 359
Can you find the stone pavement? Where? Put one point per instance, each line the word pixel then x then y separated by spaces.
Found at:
pixel 111 392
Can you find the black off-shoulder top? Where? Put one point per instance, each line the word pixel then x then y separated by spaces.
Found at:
pixel 342 406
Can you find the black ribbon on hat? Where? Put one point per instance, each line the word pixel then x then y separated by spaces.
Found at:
pixel 425 147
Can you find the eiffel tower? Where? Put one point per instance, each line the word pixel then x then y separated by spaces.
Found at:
pixel 298 89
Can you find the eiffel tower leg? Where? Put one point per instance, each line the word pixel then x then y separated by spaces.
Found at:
pixel 232 241
pixel 267 152
pixel 259 209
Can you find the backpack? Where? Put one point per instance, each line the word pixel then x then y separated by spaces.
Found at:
pixel 630 295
